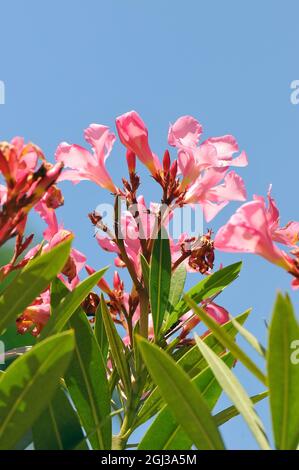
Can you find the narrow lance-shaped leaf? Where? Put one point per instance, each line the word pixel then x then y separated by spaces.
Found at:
pixel 58 291
pixel 183 398
pixel 100 333
pixel 283 374
pixel 69 304
pixel 193 363
pixel 226 415
pixel 177 283
pixel 29 384
pixel 116 347
pixel 234 390
pixel 87 383
pixel 227 341
pixel 58 427
pixel 165 433
pixel 145 271
pixel 31 281
pixel 159 279
pixel 250 338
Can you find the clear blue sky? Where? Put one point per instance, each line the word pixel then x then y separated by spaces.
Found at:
pixel 230 64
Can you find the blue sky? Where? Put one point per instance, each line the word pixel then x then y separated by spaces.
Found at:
pixel 230 64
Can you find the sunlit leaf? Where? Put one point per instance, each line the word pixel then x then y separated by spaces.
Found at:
pixel 226 340
pixel 33 279
pixel 283 374
pixel 183 398
pixel 234 390
pixel 69 304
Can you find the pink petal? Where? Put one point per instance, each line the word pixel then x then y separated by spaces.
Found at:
pixel 186 132
pixel 74 156
pixel 101 139
pixel 233 188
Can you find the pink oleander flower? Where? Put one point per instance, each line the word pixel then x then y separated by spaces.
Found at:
pixel 18 160
pixel 185 134
pixel 133 135
pixel 204 167
pixel 35 317
pixel 25 184
pixel 85 165
pixel 254 228
pixel 214 189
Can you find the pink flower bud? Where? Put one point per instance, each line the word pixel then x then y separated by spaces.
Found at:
pixel 134 136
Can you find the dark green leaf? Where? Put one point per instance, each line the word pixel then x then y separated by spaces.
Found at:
pixel 177 284
pixel 87 383
pixel 29 384
pixel 159 279
pixel 145 271
pixel 58 427
pixel 69 304
pixel 116 347
pixel 100 333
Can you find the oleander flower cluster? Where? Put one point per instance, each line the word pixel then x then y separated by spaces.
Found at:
pixel 192 172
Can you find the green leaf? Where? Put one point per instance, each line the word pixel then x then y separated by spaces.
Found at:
pixel 87 383
pixel 25 441
pixel 69 304
pixel 159 279
pixel 234 390
pixel 164 433
pixel 100 333
pixel 250 338
pixel 29 384
pixel 58 292
pixel 226 340
pixel 145 271
pixel 117 348
pixel 225 415
pixel 208 287
pixel 183 398
pixel 177 284
pixel 193 363
pixel 58 427
pixel 283 374
pixel 31 281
